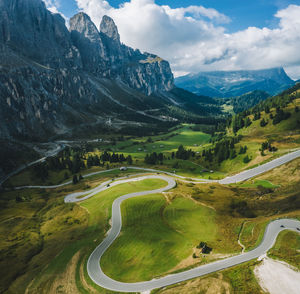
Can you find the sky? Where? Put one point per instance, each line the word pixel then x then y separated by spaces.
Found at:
pixel 203 35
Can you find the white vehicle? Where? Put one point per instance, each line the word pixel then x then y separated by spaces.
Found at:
pixel 123 168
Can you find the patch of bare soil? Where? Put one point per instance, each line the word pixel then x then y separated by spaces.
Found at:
pixel 277 277
pixel 65 283
pixel 207 285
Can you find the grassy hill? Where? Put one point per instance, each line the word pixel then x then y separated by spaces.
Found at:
pixel 274 122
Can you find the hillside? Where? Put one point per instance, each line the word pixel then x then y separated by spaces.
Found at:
pixel 235 83
pixel 245 101
pixel 269 129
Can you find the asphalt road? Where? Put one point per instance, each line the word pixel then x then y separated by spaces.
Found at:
pixel 245 175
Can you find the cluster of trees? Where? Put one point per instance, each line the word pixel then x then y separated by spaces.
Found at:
pixel 242 120
pixel 267 146
pixel 183 153
pixel 280 116
pixel 77 179
pixel 57 163
pixel 223 150
pixel 239 121
pixel 263 123
pixel 248 100
pixel 40 171
pixel 95 160
pixel 243 149
pixel 204 247
pixel 154 158
pixel 246 159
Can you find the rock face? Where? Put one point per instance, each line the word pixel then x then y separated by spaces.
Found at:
pixel 108 28
pixel 236 83
pixel 104 55
pixel 52 78
pixel 29 29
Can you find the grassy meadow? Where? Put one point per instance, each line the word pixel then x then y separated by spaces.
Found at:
pixel 287 248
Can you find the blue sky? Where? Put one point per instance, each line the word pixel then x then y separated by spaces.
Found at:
pixel 203 35
pixel 243 13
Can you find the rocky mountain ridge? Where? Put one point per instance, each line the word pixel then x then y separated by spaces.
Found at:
pixel 236 83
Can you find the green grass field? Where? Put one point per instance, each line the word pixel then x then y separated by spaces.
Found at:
pixel 256 183
pixel 156 236
pixel 163 143
pixel 287 248
pixel 253 233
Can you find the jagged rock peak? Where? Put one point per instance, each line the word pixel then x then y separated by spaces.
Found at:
pixel 109 28
pixel 82 23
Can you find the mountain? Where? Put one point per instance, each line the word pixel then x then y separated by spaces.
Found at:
pixel 235 83
pixel 55 81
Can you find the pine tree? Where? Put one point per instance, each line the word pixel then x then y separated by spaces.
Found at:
pixel 263 123
pixel 129 159
pixel 75 179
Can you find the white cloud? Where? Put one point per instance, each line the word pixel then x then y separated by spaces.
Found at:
pixel 194 38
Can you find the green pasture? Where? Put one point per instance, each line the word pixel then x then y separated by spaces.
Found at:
pixel 287 248
pixel 156 236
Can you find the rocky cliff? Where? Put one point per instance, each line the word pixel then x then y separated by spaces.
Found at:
pixel 104 55
pixel 53 79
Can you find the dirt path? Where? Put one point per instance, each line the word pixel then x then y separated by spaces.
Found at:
pixel 239 237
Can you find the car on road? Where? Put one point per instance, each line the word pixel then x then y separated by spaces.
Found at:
pixel 282 226
pixel 298 229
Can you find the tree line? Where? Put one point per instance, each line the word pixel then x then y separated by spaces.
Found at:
pixel 74 160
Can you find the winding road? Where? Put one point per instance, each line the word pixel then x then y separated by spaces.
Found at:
pixel 93 266
pixel 100 278
pixel 240 177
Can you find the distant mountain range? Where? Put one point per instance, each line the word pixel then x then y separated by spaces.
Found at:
pixel 235 83
pixel 60 81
